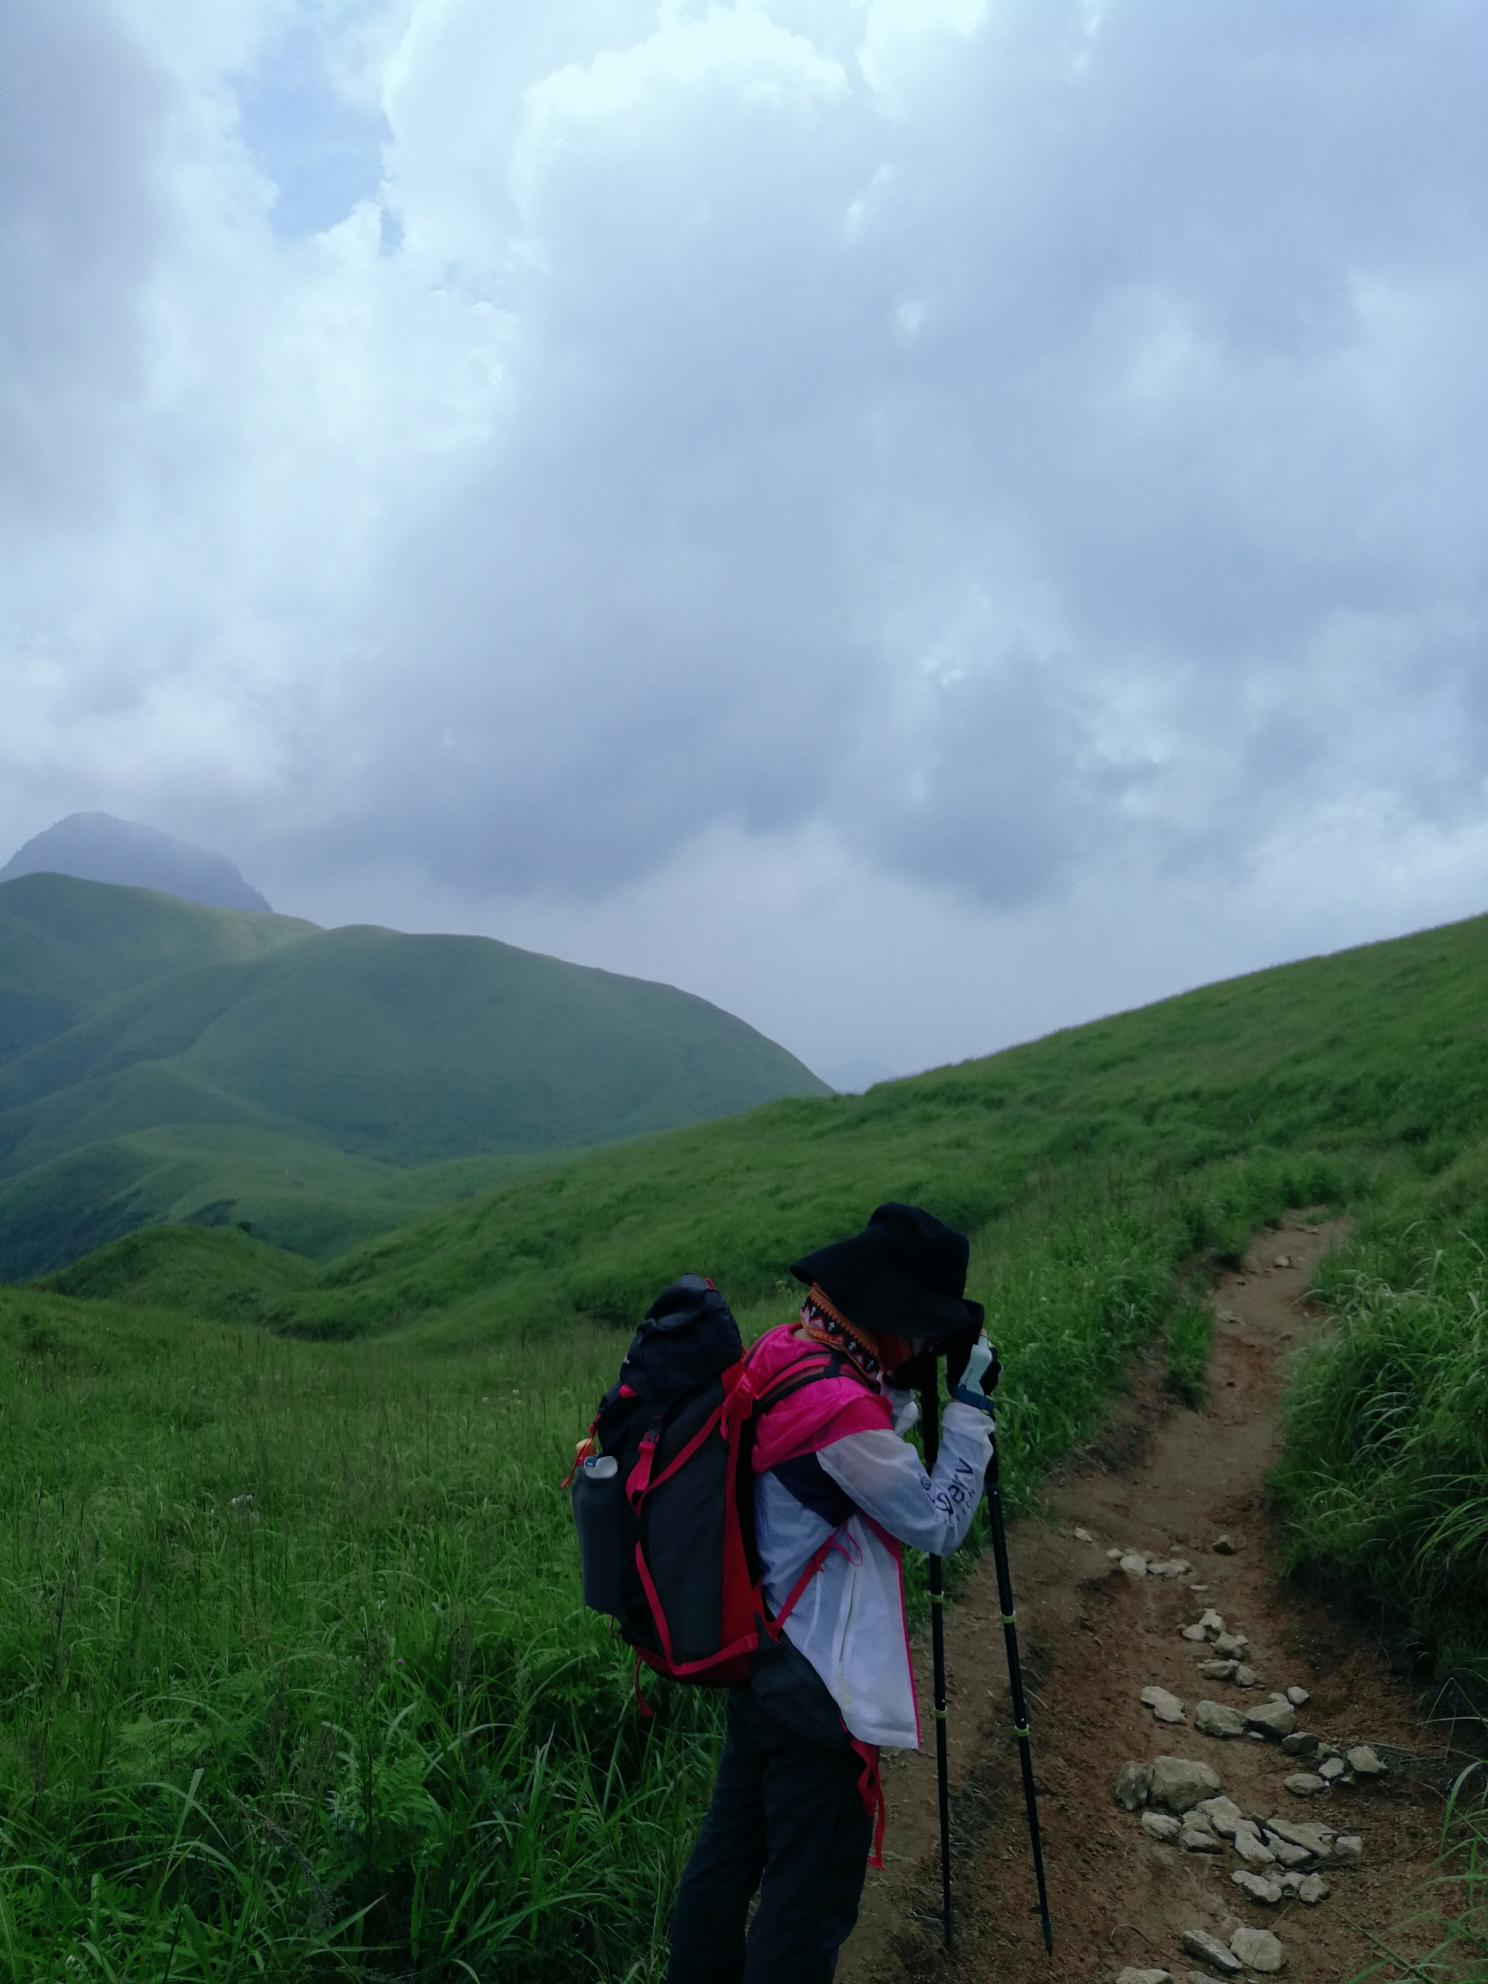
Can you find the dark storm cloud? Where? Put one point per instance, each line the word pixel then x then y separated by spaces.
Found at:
pixel 80 224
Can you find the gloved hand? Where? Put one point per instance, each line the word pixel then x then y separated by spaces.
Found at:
pixel 982 1366
pixel 981 1369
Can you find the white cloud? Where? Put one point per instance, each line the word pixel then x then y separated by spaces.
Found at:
pixel 614 468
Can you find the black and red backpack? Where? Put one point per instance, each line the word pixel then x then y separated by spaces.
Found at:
pixel 663 1490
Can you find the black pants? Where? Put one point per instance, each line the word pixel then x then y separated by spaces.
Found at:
pixel 787 1808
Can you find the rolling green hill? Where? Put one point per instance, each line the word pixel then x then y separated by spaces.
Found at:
pixel 164 1060
pixel 1372 1059
pixel 66 946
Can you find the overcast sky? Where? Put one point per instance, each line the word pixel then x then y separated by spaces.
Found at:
pixel 920 520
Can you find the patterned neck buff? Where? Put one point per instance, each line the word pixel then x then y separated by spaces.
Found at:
pixel 873 1355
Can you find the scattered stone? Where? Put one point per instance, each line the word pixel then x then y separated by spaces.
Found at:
pixel 1298 1697
pixel 1166 1707
pixel 1221 1814
pixel 1258 1949
pixel 1198 1839
pixel 1246 1677
pixel 1276 1719
pixel 1209 1949
pixel 1310 1888
pixel 1252 1849
pixel 1250 1846
pixel 1282 1261
pixel 1348 1850
pixel 1364 1763
pixel 1160 1825
pixel 1260 1887
pixel 1225 1547
pixel 1177 1784
pixel 1201 1977
pixel 1331 1769
pixel 1168 1567
pixel 1133 1785
pixel 1145 1977
pixel 1300 1745
pixel 1286 1853
pixel 1083 1535
pixel 1214 1719
pixel 1218 1670
pixel 1200 1588
pixel 1305 1784
pixel 1207 1627
pixel 1230 1643
pixel 1115 1555
pixel 1317 1839
pixel 1133 1565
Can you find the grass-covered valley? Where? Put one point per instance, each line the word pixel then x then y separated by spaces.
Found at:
pixel 294 1679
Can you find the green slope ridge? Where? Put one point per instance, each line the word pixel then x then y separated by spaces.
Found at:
pixel 1373 1057
pixel 66 945
pixel 130 1015
pixel 300 1195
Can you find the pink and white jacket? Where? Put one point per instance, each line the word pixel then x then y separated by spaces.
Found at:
pixel 829 1458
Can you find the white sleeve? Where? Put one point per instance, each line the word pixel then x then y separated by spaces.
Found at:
pixel 883 1475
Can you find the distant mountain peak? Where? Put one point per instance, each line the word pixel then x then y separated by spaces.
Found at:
pixel 95 847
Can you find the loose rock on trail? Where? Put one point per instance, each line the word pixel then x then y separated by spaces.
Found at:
pixel 1165 1837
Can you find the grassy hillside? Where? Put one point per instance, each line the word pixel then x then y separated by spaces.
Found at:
pixel 308 1197
pixel 321 1700
pixel 154 1043
pixel 67 945
pixel 1372 1063
pixel 294 1680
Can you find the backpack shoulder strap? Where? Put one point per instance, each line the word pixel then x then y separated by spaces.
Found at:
pixel 814 1363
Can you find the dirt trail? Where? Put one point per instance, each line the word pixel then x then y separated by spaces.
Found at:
pixel 1169 1481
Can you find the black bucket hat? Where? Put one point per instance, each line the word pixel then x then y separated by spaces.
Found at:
pixel 903 1275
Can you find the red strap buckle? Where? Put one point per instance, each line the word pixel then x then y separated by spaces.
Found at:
pixel 640 1474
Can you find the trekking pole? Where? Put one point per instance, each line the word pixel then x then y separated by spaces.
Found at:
pixel 930 1432
pixel 1015 1683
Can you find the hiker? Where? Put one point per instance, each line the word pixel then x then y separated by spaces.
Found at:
pixel 797 1803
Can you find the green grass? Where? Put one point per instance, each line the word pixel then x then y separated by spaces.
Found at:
pixel 360 1726
pixel 1385 1465
pixel 293 1671
pixel 1457 1911
pixel 151 1051
pixel 294 1676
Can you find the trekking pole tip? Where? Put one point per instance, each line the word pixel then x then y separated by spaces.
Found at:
pixel 1048 1928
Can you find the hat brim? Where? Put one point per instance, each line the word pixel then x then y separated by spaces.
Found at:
pixel 877 1296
